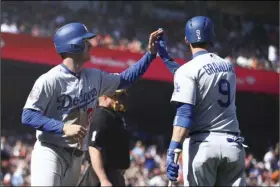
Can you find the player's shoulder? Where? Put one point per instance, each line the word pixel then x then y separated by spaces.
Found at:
pixel 94 75
pixel 49 77
pixel 93 72
pixel 52 77
pixel 194 63
pixel 188 68
pixel 198 62
pixel 53 73
pixel 194 66
pixel 218 58
pixel 98 73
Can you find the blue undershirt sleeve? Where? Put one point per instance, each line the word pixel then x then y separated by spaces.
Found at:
pixel 184 115
pixel 36 120
pixel 130 75
pixel 171 65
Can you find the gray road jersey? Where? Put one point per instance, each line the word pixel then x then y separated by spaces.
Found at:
pixel 60 95
pixel 209 83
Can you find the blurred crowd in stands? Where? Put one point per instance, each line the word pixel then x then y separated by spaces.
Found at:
pixel 126 25
pixel 147 164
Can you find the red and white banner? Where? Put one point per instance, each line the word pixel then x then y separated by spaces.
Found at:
pixel 30 49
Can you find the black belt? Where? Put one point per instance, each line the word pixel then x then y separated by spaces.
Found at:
pixel 73 151
pixel 70 150
pixel 201 132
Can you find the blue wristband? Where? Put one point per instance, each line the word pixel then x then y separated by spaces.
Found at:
pixel 173 145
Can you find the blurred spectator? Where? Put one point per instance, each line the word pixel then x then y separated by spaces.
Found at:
pixel 17 177
pixel 108 41
pixel 158 178
pixel 138 152
pixel 147 165
pixel 123 45
pixel 135 46
pixel 15 164
pixel 60 20
pixel 269 159
pixel 243 61
pixel 128 29
pixel 8 27
pixel 35 31
pixel 273 56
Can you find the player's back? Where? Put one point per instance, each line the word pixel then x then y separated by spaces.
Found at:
pixel 215 93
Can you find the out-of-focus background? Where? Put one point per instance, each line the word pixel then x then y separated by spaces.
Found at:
pixel 247 35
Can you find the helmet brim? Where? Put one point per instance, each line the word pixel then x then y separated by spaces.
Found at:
pixel 89 35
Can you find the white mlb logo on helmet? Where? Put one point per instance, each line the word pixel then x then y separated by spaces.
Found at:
pixel 198 34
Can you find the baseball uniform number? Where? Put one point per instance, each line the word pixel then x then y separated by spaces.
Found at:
pixel 224 89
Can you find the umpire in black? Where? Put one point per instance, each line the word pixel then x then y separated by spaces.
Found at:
pixel 108 143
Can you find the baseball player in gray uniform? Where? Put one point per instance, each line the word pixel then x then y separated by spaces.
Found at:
pixel 204 94
pixel 61 103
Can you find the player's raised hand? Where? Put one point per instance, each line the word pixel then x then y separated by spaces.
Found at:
pixel 162 47
pixel 152 41
pixel 75 131
pixel 162 51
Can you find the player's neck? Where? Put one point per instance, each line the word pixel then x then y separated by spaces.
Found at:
pixel 72 66
pixel 195 50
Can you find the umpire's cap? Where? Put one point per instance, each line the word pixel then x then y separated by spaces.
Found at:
pixel 70 38
pixel 120 93
pixel 200 29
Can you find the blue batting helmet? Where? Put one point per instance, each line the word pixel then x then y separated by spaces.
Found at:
pixel 70 38
pixel 200 29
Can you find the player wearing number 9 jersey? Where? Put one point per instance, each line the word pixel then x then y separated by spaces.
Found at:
pixel 209 83
pixel 204 94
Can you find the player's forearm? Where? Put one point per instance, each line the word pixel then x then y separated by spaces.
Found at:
pixel 97 163
pixel 36 120
pixel 130 75
pixel 179 134
pixel 171 65
pixel 182 122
